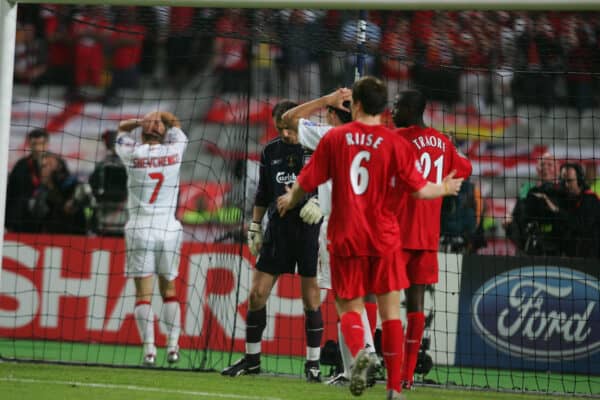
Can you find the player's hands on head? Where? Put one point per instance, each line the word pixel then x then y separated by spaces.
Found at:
pixel 311 212
pixel 255 238
pixel 153 123
pixel 452 185
pixel 336 99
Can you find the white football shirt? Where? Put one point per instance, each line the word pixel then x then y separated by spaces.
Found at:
pixel 309 135
pixel 153 176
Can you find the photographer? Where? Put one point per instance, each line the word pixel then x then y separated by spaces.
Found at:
pixel 58 202
pixel 578 214
pixel 23 181
pixel 108 182
pixel 532 226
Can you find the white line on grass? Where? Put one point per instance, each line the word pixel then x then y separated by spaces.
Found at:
pixel 138 388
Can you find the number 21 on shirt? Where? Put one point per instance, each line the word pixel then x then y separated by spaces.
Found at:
pixel 438 165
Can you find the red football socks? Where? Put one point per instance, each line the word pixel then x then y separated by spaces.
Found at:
pixel 392 341
pixel 353 331
pixel 414 334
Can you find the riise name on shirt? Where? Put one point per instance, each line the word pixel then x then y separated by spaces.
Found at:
pixel 363 139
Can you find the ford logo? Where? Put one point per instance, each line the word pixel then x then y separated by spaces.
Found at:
pixel 539 313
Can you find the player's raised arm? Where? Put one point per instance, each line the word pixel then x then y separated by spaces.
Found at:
pixel 128 125
pixel 170 120
pixel 334 99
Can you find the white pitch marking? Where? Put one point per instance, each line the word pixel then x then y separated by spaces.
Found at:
pixel 137 388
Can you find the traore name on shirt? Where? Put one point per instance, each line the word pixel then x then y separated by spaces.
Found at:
pixel 150 162
pixel 429 141
pixel 363 139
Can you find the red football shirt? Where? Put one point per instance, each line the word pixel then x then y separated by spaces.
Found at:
pixel 420 219
pixel 370 166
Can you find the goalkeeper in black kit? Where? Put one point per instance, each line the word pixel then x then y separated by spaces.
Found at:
pixel 288 243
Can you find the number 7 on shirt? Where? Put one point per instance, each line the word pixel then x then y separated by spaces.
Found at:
pixel 159 177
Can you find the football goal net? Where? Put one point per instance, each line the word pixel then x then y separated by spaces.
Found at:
pixel 514 84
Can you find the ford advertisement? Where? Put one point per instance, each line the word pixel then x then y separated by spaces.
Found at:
pixel 529 313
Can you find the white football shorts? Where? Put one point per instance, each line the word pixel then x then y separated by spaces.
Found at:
pixel 153 250
pixel 323 271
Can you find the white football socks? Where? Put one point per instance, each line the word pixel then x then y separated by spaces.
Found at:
pixel 144 318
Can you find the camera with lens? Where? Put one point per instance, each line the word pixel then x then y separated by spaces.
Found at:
pixel 533 242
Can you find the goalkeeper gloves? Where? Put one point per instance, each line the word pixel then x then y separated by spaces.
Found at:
pixel 255 238
pixel 311 212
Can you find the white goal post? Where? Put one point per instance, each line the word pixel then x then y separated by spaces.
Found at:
pixel 8 17
pixel 8 26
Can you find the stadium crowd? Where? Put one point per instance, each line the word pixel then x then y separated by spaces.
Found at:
pixel 475 58
pixel 503 58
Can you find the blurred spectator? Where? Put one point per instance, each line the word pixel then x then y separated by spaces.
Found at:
pixel 538 58
pixel 533 226
pixel 299 47
pixel 89 28
pixel 108 183
pixel 578 213
pixel 473 50
pixel 29 63
pixel 23 181
pixel 231 53
pixel 397 55
pixel 330 54
pixel 503 60
pixel 434 73
pixel 59 201
pixel 203 41
pixel 179 44
pixel 56 24
pixel 265 54
pixel 148 17
pixel 579 47
pixel 349 34
pixel 126 45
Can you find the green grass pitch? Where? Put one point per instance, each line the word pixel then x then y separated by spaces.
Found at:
pixel 61 382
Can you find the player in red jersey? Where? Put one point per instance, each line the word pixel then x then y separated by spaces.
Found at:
pixel 419 219
pixel 370 168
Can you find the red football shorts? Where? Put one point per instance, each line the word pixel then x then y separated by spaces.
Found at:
pixel 353 277
pixel 421 266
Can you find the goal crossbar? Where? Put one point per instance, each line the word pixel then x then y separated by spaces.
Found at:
pixel 539 5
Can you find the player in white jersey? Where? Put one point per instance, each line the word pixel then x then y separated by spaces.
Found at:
pixel 152 234
pixel 310 133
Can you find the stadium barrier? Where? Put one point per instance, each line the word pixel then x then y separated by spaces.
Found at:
pixel 525 313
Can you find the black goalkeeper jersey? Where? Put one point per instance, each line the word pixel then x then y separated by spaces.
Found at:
pixel 280 165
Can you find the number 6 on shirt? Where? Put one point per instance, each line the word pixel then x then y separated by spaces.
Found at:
pixel 359 175
pixel 160 178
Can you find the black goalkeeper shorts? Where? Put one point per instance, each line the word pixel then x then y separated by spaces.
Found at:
pixel 288 243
